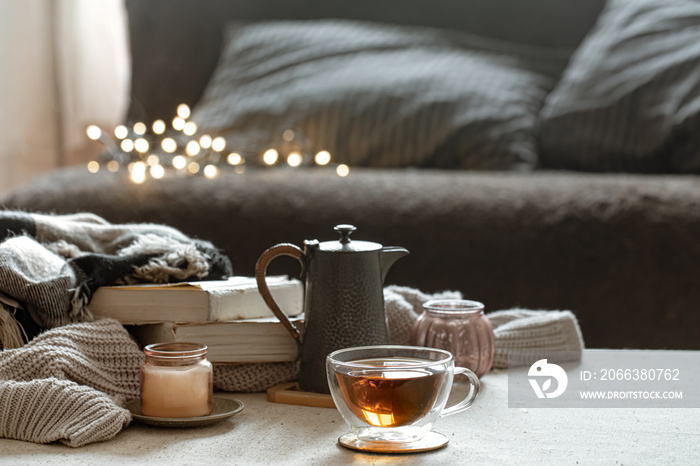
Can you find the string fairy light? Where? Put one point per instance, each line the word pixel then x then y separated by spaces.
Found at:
pixel 158 127
pixel 156 150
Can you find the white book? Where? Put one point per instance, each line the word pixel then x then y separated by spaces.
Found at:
pixel 241 341
pixel 206 301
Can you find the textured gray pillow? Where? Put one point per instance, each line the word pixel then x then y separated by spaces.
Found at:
pixel 380 95
pixel 630 98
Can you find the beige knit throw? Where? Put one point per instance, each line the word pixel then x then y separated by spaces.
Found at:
pixel 62 386
pixel 69 383
pixel 514 329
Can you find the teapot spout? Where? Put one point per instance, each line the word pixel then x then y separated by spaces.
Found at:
pixel 390 254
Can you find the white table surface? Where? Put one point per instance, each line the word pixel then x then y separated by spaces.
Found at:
pixel 488 433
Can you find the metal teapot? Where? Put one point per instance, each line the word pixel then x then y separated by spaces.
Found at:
pixel 343 299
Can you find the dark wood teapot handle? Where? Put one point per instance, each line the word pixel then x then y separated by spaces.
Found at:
pixel 284 249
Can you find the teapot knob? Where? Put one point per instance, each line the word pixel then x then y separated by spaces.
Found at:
pixel 344 231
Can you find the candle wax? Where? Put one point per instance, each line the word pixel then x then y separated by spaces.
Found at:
pixel 176 392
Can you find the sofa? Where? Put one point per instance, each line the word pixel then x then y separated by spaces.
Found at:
pixel 547 158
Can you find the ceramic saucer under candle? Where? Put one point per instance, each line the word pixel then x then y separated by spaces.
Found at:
pixel 223 408
pixel 431 441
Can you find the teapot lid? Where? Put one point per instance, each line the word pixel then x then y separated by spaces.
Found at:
pixel 345 244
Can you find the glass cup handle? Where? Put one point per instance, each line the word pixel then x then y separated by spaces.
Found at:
pixel 474 385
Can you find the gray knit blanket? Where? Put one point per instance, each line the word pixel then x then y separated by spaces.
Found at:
pixel 51 264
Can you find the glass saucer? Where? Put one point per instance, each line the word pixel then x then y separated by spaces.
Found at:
pixel 223 408
pixel 431 441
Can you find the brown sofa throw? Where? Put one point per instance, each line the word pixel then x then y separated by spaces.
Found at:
pixel 51 264
pixel 69 383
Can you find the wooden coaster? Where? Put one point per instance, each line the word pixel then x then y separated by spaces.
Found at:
pixel 290 393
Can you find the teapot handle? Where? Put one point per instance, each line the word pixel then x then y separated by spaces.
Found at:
pixel 284 249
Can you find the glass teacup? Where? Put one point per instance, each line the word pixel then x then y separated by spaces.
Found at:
pixel 394 394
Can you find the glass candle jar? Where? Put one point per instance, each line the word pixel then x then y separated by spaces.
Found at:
pixel 460 327
pixel 176 381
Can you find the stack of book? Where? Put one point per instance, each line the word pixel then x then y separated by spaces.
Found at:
pixel 229 316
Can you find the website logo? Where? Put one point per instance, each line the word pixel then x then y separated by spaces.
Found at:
pixel 547 372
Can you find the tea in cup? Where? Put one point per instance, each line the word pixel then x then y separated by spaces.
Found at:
pixel 392 395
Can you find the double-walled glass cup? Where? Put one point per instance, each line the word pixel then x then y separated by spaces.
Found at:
pixel 394 393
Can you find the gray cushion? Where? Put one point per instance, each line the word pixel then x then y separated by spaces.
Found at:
pixel 630 98
pixel 380 95
pixel 175 44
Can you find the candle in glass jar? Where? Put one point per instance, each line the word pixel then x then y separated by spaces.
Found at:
pixel 176 381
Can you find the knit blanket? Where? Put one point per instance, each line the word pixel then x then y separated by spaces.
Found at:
pixel 51 264
pixel 69 384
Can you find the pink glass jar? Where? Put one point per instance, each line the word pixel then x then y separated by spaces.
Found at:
pixel 460 327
